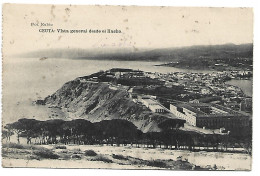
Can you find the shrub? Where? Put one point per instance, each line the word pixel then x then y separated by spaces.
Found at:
pixel 90 153
pixel 61 147
pixel 66 157
pixel 31 157
pixel 120 157
pixel 76 156
pixel 102 158
pixel 46 153
pixel 156 163
pixel 20 146
pixel 13 145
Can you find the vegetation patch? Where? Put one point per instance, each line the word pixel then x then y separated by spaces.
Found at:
pixel 61 147
pixel 157 163
pixel 14 145
pixel 90 153
pixel 33 157
pixel 46 154
pixel 102 158
pixel 20 146
pixel 76 156
pixel 120 157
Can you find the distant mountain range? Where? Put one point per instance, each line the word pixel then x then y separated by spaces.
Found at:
pixel 226 51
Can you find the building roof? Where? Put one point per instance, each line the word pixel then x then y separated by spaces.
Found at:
pixel 191 108
pixel 157 106
pixel 194 107
pixel 150 101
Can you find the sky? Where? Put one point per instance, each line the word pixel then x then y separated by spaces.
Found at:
pixel 141 27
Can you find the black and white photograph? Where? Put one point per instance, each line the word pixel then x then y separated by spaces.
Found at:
pixel 127 87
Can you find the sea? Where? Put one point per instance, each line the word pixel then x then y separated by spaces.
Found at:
pixel 246 85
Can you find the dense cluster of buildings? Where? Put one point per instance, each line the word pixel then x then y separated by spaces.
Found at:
pixel 210 84
pixel 210 116
pixel 195 112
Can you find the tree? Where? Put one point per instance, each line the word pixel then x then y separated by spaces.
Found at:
pixel 23 128
pixel 28 127
pixel 116 130
pixel 16 128
pixel 51 129
pixel 79 130
pixel 171 129
pixel 6 134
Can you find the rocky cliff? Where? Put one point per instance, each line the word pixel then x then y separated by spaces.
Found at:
pixel 97 101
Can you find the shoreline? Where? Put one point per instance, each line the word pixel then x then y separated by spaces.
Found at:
pixel 202 69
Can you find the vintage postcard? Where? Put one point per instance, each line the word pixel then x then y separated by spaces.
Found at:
pixel 127 87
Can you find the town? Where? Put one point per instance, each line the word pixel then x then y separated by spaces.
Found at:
pixel 203 100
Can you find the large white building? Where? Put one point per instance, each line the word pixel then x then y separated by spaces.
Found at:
pixel 209 115
pixel 153 105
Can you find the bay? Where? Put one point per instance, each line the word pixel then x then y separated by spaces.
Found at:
pixel 246 85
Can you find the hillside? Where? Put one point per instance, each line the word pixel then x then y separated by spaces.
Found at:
pixel 97 101
pixel 226 51
pixel 227 56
